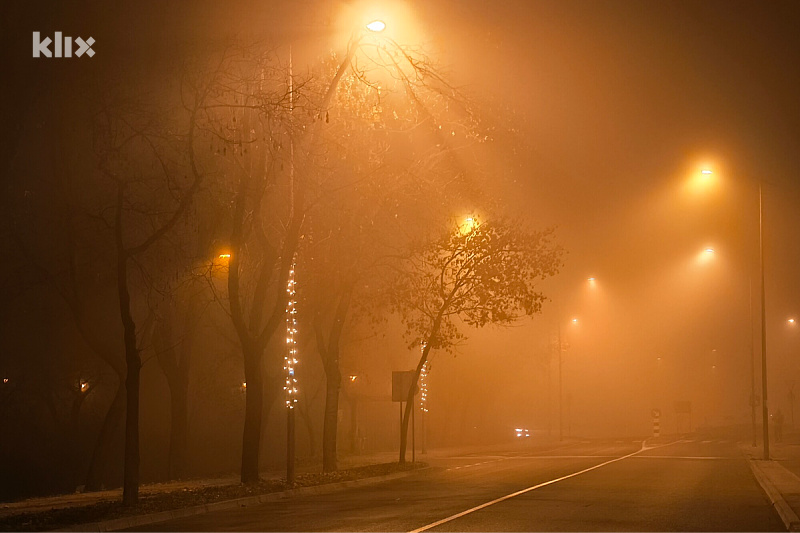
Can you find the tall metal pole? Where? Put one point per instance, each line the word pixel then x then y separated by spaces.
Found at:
pixel 290 416
pixel 764 408
pixel 560 388
pixel 752 368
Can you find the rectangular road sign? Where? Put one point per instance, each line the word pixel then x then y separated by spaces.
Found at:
pixel 401 382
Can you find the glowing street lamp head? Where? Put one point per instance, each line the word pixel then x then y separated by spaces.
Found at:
pixel 592 279
pixel 224 256
pixel 706 172
pixel 709 250
pixel 376 26
pixel 468 225
pixel 791 321
pixel 574 320
pixel 352 377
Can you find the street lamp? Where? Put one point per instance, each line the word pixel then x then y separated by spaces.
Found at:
pixel 376 26
pixel 561 349
pixel 764 408
pixel 710 252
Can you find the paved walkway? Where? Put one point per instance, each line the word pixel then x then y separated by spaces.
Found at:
pixel 61 501
pixel 779 477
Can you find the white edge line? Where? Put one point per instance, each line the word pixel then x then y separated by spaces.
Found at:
pixel 534 487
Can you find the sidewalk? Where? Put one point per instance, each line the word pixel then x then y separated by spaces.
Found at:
pixel 780 477
pixel 62 501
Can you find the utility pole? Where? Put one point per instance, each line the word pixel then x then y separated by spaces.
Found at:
pixel 752 369
pixel 764 408
pixel 560 387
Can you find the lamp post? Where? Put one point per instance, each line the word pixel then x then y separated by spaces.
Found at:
pixel 764 407
pixel 711 251
pixel 561 381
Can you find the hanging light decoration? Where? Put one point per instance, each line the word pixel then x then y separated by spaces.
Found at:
pixel 423 385
pixel 290 359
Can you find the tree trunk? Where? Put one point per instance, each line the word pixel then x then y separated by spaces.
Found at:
pixel 312 438
pixel 133 365
pixel 97 475
pixel 437 322
pixel 254 406
pixel 130 483
pixel 354 447
pixel 331 419
pixel 179 428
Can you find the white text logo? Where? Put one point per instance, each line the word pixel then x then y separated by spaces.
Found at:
pixel 61 46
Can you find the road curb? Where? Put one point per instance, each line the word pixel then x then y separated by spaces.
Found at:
pixel 787 514
pixel 141 520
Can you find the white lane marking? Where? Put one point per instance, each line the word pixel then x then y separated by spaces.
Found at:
pixel 678 457
pixel 523 491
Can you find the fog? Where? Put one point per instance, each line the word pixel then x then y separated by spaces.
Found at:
pixel 599 118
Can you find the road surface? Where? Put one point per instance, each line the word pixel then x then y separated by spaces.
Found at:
pixel 698 484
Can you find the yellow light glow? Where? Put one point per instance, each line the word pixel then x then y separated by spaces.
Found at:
pixel 224 256
pixel 574 320
pixel 791 321
pixel 592 279
pixel 376 26
pixel 353 378
pixel 468 225
pixel 709 250
pixel 84 386
pixel 701 181
pixel 5 380
pixel 244 385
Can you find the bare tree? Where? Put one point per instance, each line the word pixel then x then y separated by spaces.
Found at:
pixel 477 274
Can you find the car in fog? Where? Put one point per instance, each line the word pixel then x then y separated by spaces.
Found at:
pixel 522 433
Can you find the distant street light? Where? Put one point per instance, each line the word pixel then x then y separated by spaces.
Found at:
pixel 709 252
pixel 791 321
pixel 376 26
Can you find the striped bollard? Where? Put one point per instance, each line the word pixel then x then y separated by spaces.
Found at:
pixel 656 422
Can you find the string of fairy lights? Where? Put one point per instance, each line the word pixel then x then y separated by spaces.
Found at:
pixel 423 385
pixel 290 359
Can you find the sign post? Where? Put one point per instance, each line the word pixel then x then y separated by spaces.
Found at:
pixel 402 381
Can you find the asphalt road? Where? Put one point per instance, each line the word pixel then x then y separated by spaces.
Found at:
pixel 701 484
